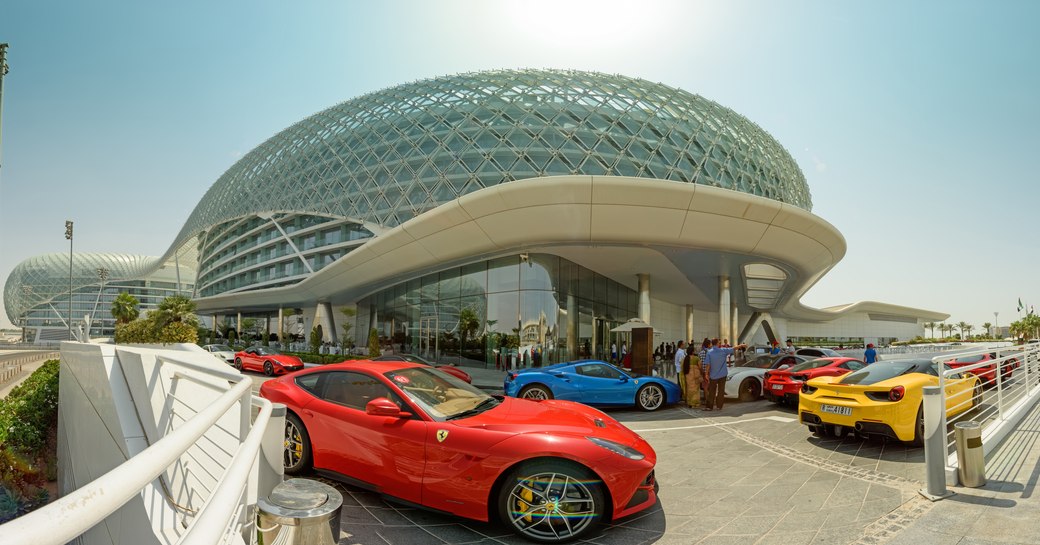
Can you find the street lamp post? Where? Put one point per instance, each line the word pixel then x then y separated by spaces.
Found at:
pixel 102 274
pixel 27 291
pixel 3 72
pixel 996 324
pixel 68 235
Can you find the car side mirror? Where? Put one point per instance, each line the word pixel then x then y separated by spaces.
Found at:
pixel 623 378
pixel 382 406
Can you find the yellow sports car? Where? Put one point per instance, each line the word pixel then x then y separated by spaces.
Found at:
pixel 883 398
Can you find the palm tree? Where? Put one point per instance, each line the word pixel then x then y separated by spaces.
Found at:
pixel 125 308
pixel 176 308
pixel 970 328
pixel 929 325
pixel 987 327
pixel 468 324
pixel 963 326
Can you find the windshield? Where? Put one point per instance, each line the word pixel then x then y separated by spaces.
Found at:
pixel 968 359
pixel 880 371
pixel 440 395
pixel 220 348
pixel 760 362
pixel 811 364
pixel 264 351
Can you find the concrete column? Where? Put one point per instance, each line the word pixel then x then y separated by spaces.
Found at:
pixel 724 308
pixel 267 325
pixel 689 323
pixel 328 323
pixel 281 325
pixel 734 329
pixel 572 327
pixel 214 328
pixel 238 326
pixel 644 297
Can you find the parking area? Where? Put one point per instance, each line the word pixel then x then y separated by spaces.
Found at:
pixel 749 474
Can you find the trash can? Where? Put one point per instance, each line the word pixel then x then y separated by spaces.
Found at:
pixel 300 512
pixel 971 464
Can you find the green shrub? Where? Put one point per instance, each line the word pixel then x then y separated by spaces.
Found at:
pixel 373 344
pixel 28 441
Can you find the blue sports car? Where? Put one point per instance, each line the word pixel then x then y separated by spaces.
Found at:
pixel 592 382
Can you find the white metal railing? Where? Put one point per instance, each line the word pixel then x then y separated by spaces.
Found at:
pixel 1008 387
pixel 222 519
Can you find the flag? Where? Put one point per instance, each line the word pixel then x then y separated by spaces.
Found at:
pixel 1020 304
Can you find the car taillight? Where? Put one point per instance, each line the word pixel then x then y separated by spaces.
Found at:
pixel 806 389
pixel 896 393
pixel 510 376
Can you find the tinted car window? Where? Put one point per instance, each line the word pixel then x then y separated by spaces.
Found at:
pixel 811 364
pixel 880 371
pixel 354 389
pixel 968 359
pixel 760 362
pixel 599 371
pixel 309 382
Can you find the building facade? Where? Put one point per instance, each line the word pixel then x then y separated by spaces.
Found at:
pixel 515 217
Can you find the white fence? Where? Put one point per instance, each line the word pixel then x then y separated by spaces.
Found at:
pixel 1008 388
pixel 180 448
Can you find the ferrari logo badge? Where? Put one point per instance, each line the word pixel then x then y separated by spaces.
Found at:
pixel 442 435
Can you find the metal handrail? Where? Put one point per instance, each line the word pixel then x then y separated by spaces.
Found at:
pixel 67 518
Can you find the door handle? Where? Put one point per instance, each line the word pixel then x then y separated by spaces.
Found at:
pixel 307 413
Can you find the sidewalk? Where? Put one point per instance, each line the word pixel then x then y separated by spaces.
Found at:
pixel 486 379
pixel 1006 510
pixel 27 369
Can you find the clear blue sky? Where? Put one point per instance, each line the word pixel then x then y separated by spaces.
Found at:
pixel 916 123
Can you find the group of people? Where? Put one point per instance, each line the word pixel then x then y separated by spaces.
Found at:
pixel 705 371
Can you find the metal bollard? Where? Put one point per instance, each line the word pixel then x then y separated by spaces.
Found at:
pixel 934 445
pixel 300 512
pixel 971 461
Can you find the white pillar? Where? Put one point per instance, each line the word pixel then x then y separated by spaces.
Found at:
pixel 328 323
pixel 238 327
pixel 689 323
pixel 724 308
pixel 281 326
pixel 734 324
pixel 644 297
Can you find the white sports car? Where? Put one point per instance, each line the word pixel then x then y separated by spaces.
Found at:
pixel 222 352
pixel 745 380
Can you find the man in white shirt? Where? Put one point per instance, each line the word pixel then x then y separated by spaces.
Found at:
pixel 680 355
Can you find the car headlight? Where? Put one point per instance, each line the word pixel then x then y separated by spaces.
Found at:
pixel 617 448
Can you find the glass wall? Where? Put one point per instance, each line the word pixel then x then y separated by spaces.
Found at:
pixel 506 313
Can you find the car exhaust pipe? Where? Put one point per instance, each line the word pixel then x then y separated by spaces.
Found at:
pixel 858 427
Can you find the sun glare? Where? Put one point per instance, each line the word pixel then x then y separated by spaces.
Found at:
pixel 576 23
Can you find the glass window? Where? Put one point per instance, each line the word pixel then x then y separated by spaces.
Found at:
pixel 449 281
pixel 599 370
pixel 586 279
pixel 540 272
pixel 354 389
pixel 429 288
pixel 473 279
pixel 504 274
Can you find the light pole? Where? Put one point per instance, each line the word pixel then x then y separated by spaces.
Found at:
pixel 102 274
pixel 3 72
pixel 27 291
pixel 68 235
pixel 996 324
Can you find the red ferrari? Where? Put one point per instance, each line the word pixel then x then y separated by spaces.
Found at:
pixel 986 373
pixel 784 384
pixel 550 470
pixel 268 360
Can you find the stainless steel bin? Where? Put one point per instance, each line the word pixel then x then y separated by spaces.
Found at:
pixel 971 463
pixel 300 512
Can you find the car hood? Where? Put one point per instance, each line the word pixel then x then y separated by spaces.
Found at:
pixel 519 416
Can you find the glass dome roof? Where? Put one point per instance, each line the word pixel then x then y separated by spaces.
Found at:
pixel 386 157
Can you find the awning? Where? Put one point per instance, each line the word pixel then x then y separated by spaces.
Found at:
pixel 627 327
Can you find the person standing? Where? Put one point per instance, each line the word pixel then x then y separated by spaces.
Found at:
pixel 613 353
pixel 790 347
pixel 718 371
pixel 694 376
pixel 776 349
pixel 870 355
pixel 624 350
pixel 680 355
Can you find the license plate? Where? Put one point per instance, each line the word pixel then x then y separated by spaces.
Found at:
pixel 834 409
pixel 778 386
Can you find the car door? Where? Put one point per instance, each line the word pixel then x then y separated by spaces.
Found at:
pixel 606 385
pixel 387 453
pixel 249 359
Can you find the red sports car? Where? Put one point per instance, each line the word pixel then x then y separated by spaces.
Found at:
pixel 987 373
pixel 268 360
pixel 550 470
pixel 450 369
pixel 784 385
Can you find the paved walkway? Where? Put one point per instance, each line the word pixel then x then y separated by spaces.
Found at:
pixel 27 369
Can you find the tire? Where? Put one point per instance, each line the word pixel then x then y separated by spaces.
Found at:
pixel 976 398
pixel 536 392
pixel 650 397
pixel 296 454
pixel 750 390
pixel 918 440
pixel 551 501
pixel 238 363
pixel 268 368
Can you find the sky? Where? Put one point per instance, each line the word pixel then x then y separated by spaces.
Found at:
pixel 915 123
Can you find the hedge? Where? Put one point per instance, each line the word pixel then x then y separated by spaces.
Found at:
pixel 28 441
